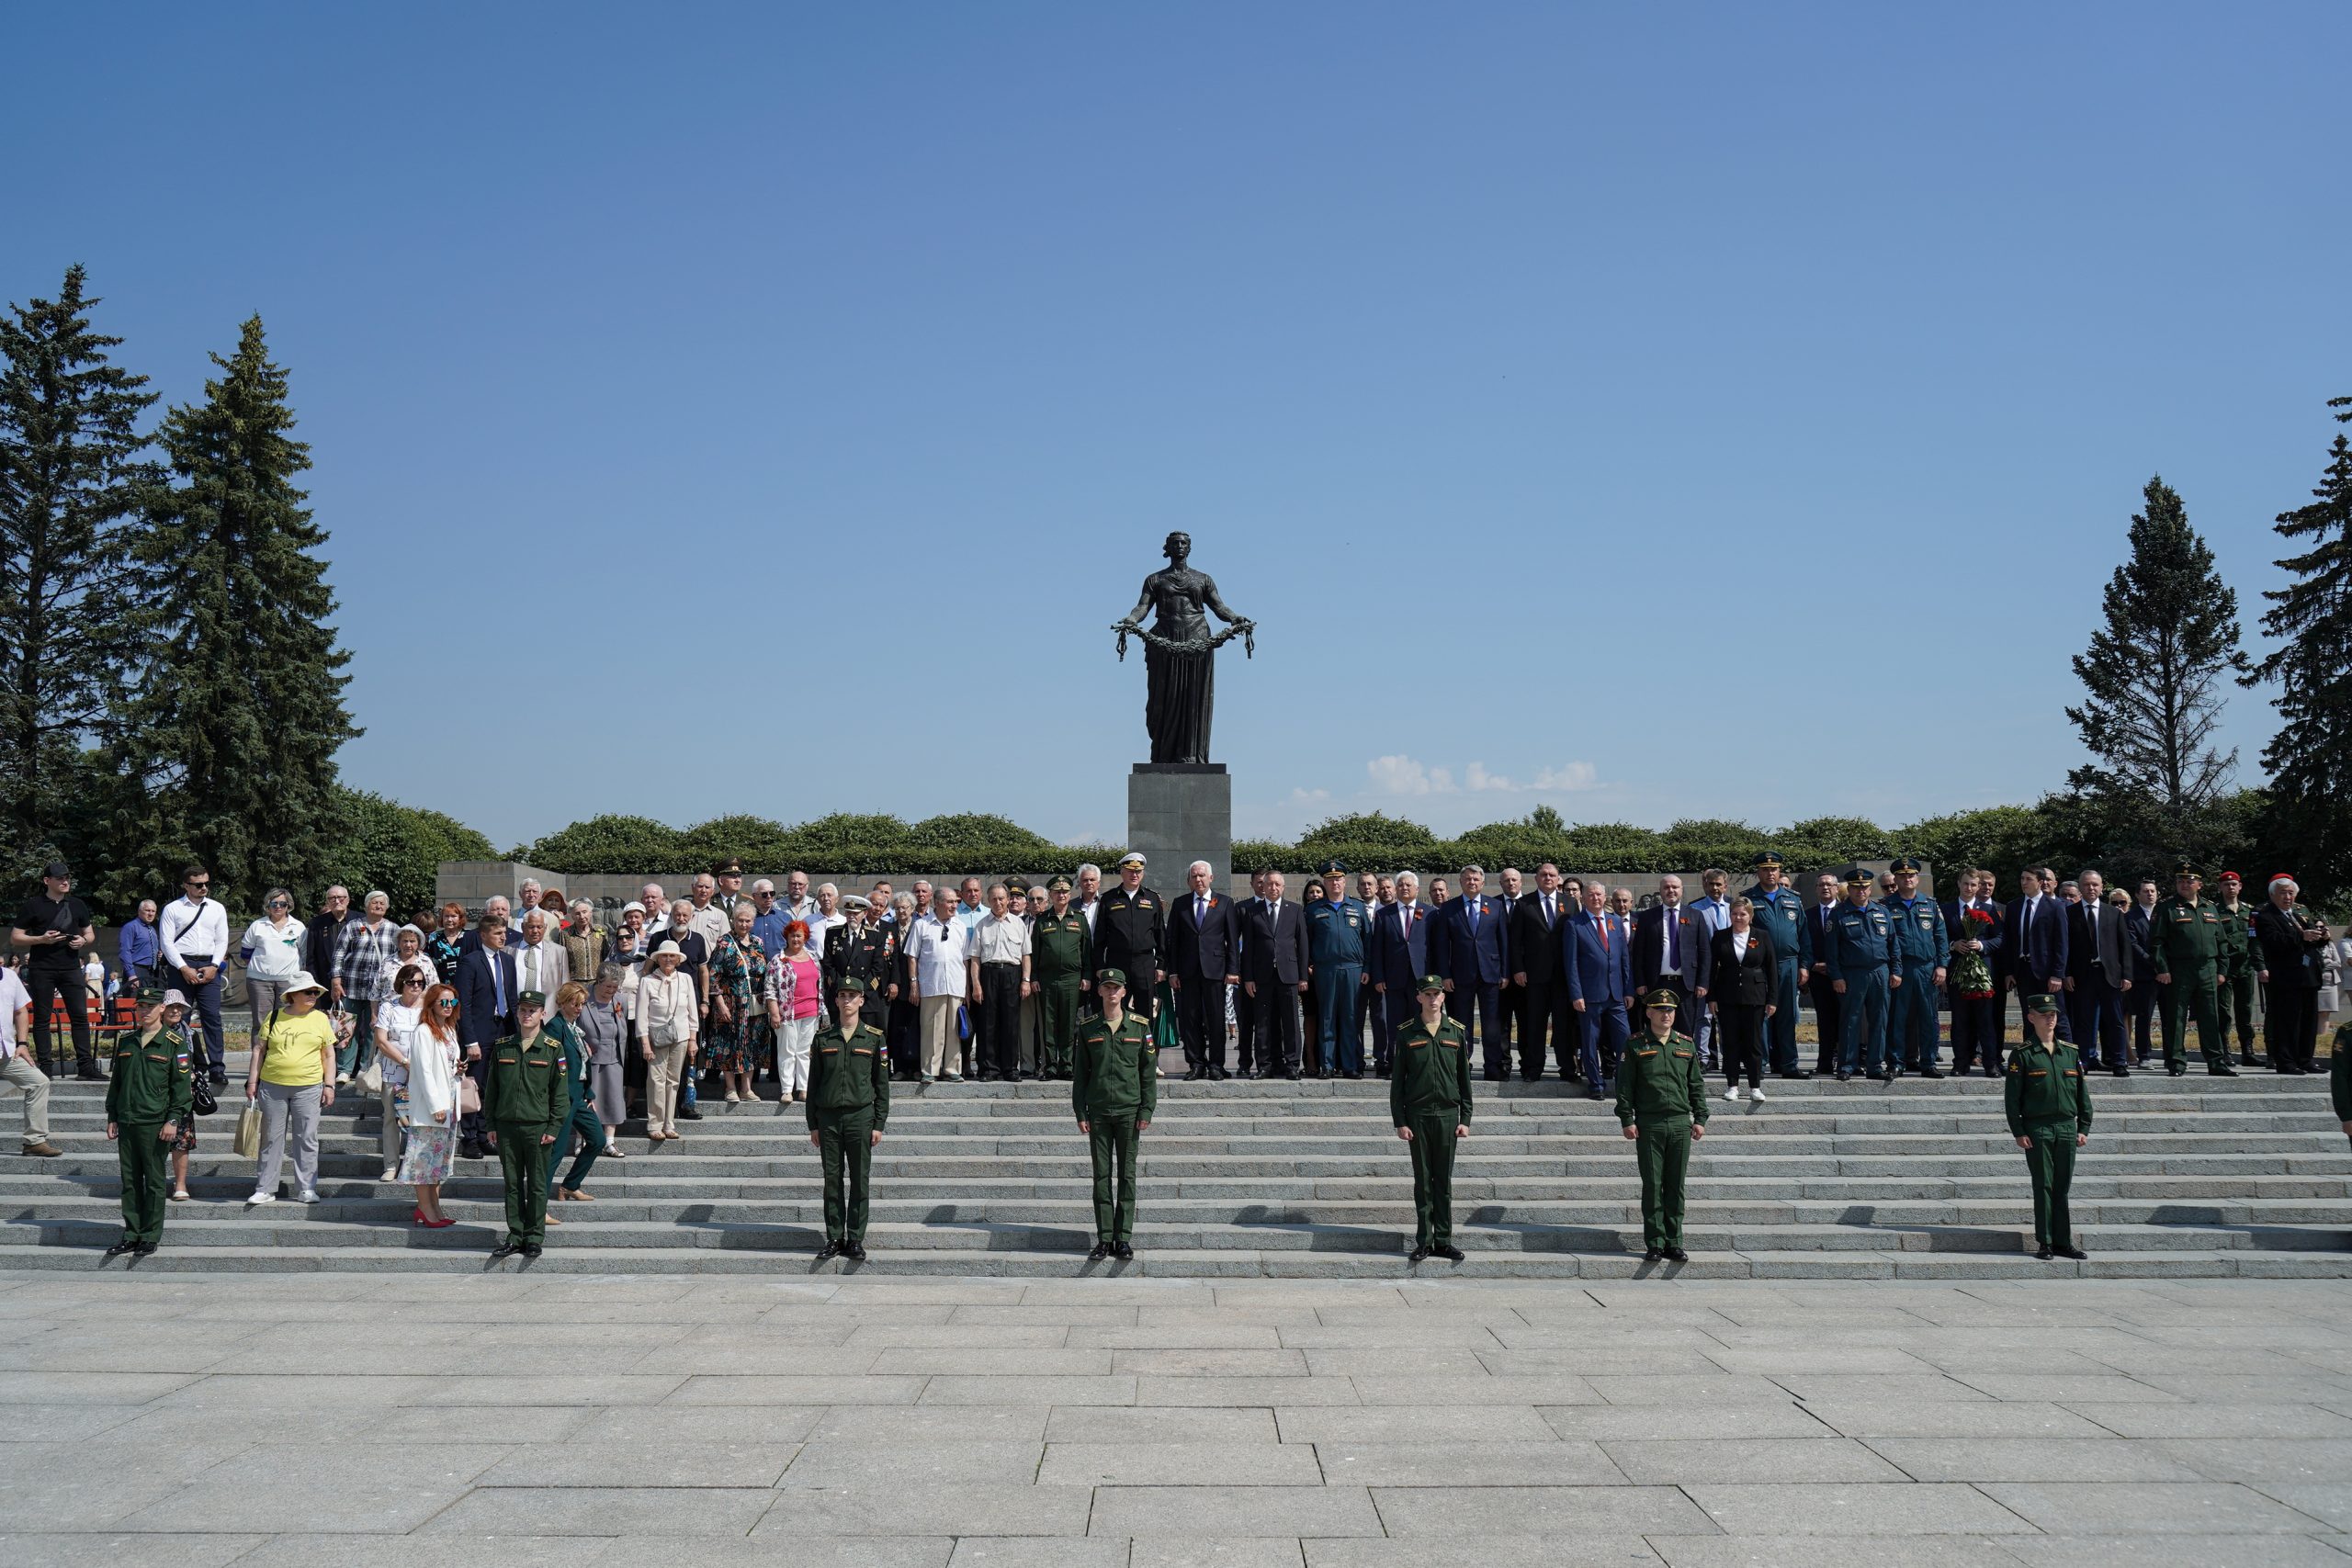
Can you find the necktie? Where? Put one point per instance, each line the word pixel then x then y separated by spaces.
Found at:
pixel 1673 941
pixel 1474 915
pixel 1547 911
pixel 497 987
pixel 1200 911
pixel 1603 923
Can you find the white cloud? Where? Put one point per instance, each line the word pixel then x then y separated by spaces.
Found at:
pixel 1569 776
pixel 1476 777
pixel 1309 797
pixel 1400 774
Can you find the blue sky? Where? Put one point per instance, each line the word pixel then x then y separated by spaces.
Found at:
pixel 1649 411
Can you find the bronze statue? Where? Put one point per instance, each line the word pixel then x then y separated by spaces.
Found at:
pixel 1179 654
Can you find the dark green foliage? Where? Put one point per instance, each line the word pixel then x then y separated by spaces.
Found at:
pixel 72 480
pixel 617 845
pixel 397 847
pixel 1998 838
pixel 2149 672
pixel 229 755
pixel 863 844
pixel 2310 758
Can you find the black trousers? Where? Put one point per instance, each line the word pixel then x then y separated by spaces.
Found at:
pixel 1370 1015
pixel 1742 1036
pixel 1276 1009
pixel 1975 1032
pixel 996 1022
pixel 1484 1001
pixel 1200 1020
pixel 1828 1020
pixel 1544 1024
pixel 2140 1006
pixel 2290 1026
pixel 1245 1027
pixel 46 987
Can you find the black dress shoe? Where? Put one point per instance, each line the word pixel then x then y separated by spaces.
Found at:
pixel 1101 1250
pixel 1932 1071
pixel 2120 1072
pixel 1216 1075
pixel 1450 1252
pixel 144 1250
pixel 2224 1072
pixel 90 1075
pixel 688 1113
pixel 1357 1075
pixel 1653 1256
pixel 2043 1252
pixel 1195 1075
pixel 118 1248
pixel 1842 1078
pixel 1124 1252
pixel 1418 1255
pixel 1594 1094
pixel 1675 1255
pixel 532 1249
pixel 220 1079
pixel 1294 1074
pixel 854 1252
pixel 2178 1072
pixel 2076 1253
pixel 1799 1076
pixel 830 1249
pixel 506 1249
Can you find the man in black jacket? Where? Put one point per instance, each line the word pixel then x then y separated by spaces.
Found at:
pixel 2289 941
pixel 1273 973
pixel 1201 961
pixel 1536 948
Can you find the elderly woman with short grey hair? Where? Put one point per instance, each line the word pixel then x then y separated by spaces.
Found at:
pixel 603 1029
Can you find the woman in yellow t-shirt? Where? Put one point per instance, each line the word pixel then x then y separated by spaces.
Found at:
pixel 291 1074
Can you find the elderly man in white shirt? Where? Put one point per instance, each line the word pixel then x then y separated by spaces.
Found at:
pixel 195 931
pixel 18 1070
pixel 945 971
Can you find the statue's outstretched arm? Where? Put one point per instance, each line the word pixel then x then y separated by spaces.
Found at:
pixel 1134 618
pixel 1209 597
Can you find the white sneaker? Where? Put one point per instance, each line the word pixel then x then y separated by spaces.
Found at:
pixel 1760 1091
pixel 1732 1094
pixel 392 1175
pixel 306 1196
pixel 261 1198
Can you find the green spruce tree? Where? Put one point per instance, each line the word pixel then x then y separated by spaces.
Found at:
pixel 241 708
pixel 73 481
pixel 2310 760
pixel 2151 673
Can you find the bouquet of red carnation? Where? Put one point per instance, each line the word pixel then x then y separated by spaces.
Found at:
pixel 1972 972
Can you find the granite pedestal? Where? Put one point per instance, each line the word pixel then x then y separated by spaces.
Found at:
pixel 1178 813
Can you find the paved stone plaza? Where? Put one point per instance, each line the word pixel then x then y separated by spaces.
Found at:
pixel 286 1421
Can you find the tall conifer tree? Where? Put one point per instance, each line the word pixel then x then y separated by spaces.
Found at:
pixel 2171 634
pixel 242 710
pixel 73 481
pixel 2310 758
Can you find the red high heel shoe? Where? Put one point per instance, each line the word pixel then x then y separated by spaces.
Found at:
pixel 442 1224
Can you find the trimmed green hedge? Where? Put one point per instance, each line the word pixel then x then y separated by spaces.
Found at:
pixel 845 842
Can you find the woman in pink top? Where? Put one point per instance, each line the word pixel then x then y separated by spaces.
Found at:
pixel 796 995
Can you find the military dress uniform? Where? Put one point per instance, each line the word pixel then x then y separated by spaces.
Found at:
pixel 1115 1091
pixel 1922 946
pixel 1058 949
pixel 2049 1102
pixel 1428 1096
pixel 150 1089
pixel 849 1101
pixel 2234 972
pixel 2185 942
pixel 524 1100
pixel 1861 954
pixel 1780 913
pixel 1130 930
pixel 1336 932
pixel 1662 1092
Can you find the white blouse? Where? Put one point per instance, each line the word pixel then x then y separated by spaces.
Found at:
pixel 277 950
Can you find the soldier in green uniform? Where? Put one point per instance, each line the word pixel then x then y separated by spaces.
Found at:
pixel 1114 1091
pixel 2234 974
pixel 1429 1100
pixel 1057 944
pixel 2339 1077
pixel 849 1104
pixel 1662 1104
pixel 149 1099
pixel 2049 1116
pixel 526 1105
pixel 2185 944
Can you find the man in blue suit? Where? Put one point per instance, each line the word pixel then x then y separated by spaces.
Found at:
pixel 2033 943
pixel 1470 951
pixel 486 986
pixel 1597 962
pixel 1396 962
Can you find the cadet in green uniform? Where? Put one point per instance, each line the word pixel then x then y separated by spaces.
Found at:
pixel 526 1104
pixel 2049 1116
pixel 1057 941
pixel 1114 1091
pixel 148 1101
pixel 2339 1077
pixel 2235 973
pixel 1662 1104
pixel 849 1104
pixel 1429 1099
pixel 2185 944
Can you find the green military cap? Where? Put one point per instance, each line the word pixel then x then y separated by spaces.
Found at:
pixel 1016 884
pixel 1858 877
pixel 2185 868
pixel 1767 857
pixel 1905 863
pixel 848 984
pixel 2043 1003
pixel 1058 884
pixel 1430 982
pixel 730 866
pixel 151 996
pixel 1661 998
pixel 532 999
pixel 1111 977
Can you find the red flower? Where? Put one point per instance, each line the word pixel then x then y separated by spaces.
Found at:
pixel 1981 916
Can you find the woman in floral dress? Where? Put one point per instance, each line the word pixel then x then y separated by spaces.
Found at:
pixel 738 987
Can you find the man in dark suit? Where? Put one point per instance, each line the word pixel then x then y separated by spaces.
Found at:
pixel 1470 951
pixel 2033 941
pixel 1200 967
pixel 1273 974
pixel 1670 945
pixel 2099 976
pixel 1976 1020
pixel 1597 966
pixel 2140 1004
pixel 1399 960
pixel 1820 987
pixel 1537 952
pixel 486 986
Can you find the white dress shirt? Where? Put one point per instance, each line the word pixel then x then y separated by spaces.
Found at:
pixel 939 950
pixel 206 931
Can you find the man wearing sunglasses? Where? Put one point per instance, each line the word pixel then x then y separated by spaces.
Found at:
pixel 56 927
pixel 196 935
